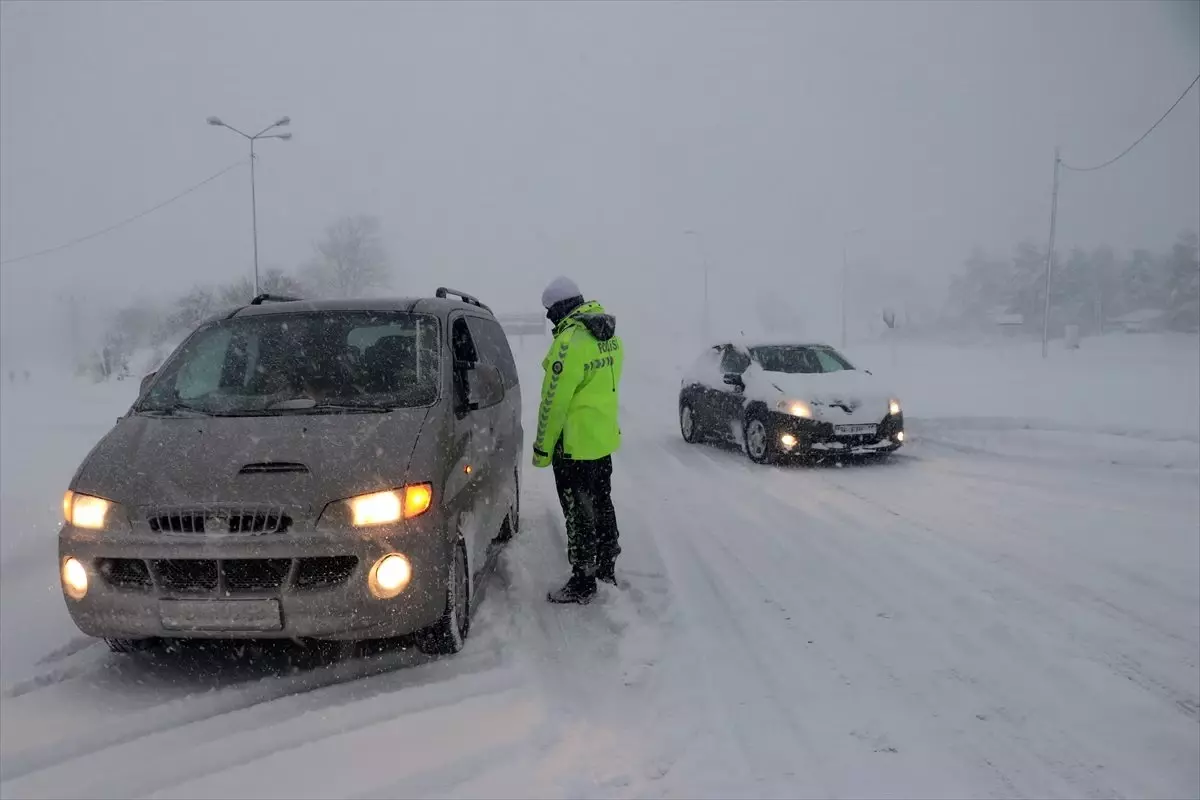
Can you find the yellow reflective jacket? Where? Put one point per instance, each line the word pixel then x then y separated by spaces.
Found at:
pixel 578 410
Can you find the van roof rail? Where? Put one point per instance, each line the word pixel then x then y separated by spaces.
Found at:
pixel 273 298
pixel 443 292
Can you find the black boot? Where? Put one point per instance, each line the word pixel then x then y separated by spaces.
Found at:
pixel 581 588
pixel 607 572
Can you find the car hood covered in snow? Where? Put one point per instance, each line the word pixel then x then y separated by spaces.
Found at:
pixel 302 461
pixel 838 397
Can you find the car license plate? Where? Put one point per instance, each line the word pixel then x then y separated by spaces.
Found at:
pixel 220 615
pixel 854 430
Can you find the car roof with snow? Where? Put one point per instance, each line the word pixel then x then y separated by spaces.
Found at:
pixel 752 343
pixel 443 302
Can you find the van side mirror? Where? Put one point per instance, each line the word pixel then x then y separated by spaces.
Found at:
pixel 735 380
pixel 485 387
pixel 146 381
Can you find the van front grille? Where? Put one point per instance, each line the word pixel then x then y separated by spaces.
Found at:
pixel 227 577
pixel 125 573
pixel 219 520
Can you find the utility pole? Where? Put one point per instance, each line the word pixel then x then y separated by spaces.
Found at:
pixel 216 121
pixel 1050 255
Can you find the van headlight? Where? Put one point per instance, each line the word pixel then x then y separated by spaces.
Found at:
pixel 797 408
pixel 380 508
pixel 893 407
pixel 89 512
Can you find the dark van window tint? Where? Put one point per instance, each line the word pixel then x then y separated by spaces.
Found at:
pixel 493 347
pixel 462 345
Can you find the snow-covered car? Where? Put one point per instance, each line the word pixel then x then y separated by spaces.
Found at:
pixel 778 399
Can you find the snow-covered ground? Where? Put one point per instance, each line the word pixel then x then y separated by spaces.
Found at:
pixel 1010 607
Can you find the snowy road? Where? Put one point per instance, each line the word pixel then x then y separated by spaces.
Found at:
pixel 1002 610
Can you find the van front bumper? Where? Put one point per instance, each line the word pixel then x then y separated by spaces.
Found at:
pixel 293 585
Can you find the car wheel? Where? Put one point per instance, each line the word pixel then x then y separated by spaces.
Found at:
pixel 760 443
pixel 688 425
pixel 512 523
pixel 132 645
pixel 450 633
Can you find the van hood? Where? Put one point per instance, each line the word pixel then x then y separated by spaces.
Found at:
pixel 298 461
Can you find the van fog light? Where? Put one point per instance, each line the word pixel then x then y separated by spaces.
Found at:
pixel 390 576
pixel 74 578
pixel 900 436
pixel 788 441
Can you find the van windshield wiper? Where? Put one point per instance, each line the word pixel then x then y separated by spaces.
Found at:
pixel 308 405
pixel 177 408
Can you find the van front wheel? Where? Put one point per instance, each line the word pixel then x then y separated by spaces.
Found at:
pixel 450 633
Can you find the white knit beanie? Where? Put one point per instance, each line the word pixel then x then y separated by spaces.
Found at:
pixel 559 289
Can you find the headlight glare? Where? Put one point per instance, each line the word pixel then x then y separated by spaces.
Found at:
pixel 378 508
pixel 85 511
pixel 797 408
pixel 74 578
pixel 391 505
pixel 893 406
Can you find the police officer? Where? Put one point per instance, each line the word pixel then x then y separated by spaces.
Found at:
pixel 577 433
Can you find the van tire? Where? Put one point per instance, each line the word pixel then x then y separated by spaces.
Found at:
pixel 125 646
pixel 511 525
pixel 449 634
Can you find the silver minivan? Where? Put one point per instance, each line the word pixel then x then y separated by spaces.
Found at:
pixel 311 470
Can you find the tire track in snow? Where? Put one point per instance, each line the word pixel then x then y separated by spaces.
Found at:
pixel 739 485
pixel 339 680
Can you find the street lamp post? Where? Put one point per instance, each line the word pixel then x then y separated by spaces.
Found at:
pixel 704 266
pixel 845 237
pixel 263 134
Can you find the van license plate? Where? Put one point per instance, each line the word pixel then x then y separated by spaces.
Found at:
pixel 854 430
pixel 220 615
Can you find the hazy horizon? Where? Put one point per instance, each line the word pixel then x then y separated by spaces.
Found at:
pixel 502 144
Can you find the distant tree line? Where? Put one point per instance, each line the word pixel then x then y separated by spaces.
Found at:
pixel 1088 288
pixel 350 260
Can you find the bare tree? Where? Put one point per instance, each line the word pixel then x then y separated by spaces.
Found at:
pixel 351 259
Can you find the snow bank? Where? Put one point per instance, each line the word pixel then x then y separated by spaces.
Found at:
pixel 1136 385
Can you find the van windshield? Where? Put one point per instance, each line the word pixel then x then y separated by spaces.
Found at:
pixel 301 362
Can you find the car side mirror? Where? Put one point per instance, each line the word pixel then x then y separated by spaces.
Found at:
pixel 485 387
pixel 146 381
pixel 735 380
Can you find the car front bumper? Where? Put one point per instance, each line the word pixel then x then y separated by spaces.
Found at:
pixel 818 437
pixel 293 585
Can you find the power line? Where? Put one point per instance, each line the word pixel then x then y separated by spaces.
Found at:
pixel 124 222
pixel 1140 138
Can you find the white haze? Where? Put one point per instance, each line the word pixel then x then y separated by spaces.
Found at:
pixel 501 144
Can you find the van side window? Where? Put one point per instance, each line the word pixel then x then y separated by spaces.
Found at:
pixel 462 346
pixel 493 348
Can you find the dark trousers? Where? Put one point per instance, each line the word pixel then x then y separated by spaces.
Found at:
pixel 585 492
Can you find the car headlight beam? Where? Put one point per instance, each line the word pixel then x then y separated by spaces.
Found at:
pixel 796 408
pixel 893 407
pixel 391 505
pixel 85 511
pixel 74 578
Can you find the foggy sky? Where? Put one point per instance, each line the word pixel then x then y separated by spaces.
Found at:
pixel 502 144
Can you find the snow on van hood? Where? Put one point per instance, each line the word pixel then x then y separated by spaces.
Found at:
pixel 841 397
pixel 147 460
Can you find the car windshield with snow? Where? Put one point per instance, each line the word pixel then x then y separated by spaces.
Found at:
pixel 788 400
pixel 328 470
